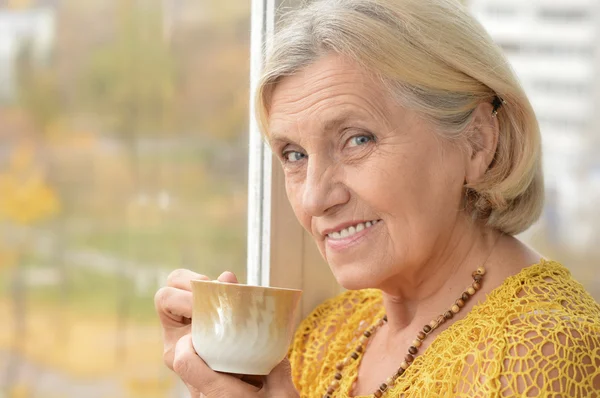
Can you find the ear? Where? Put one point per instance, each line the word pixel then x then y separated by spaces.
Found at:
pixel 482 142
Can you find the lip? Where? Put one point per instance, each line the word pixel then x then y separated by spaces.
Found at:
pixel 339 227
pixel 345 243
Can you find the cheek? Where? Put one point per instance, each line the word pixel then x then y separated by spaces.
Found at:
pixel 417 193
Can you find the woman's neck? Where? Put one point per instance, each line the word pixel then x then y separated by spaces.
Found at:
pixel 413 299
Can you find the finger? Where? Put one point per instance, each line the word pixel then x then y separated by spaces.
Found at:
pixel 195 373
pixel 280 378
pixel 227 276
pixel 174 306
pixel 180 278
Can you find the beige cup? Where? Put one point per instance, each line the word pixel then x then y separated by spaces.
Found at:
pixel 241 328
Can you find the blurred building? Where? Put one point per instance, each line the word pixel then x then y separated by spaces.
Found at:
pixel 21 28
pixel 553 47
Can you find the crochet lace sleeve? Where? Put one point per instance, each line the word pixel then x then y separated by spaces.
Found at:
pixel 549 351
pixel 309 348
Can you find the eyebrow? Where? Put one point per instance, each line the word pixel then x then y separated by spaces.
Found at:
pixel 328 126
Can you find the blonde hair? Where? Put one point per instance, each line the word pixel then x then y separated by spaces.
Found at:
pixel 437 60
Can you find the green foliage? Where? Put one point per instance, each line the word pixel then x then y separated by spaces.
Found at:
pixel 37 89
pixel 131 80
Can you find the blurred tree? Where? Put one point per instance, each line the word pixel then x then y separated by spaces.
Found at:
pixel 130 81
pixel 26 200
pixel 37 89
pixel 131 84
pixel 213 58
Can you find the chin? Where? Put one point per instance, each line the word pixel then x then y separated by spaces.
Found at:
pixel 354 279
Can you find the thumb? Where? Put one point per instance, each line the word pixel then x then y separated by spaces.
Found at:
pixel 228 277
pixel 280 378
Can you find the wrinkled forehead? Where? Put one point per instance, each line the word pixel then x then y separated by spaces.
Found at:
pixel 325 92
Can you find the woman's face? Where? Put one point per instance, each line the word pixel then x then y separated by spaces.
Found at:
pixel 372 182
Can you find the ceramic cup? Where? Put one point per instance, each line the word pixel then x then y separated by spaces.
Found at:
pixel 241 328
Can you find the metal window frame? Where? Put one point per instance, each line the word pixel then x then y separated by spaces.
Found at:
pixel 260 157
pixel 280 252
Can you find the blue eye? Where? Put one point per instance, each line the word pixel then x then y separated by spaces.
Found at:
pixel 358 140
pixel 293 156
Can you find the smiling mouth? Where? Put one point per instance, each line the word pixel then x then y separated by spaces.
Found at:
pixel 347 232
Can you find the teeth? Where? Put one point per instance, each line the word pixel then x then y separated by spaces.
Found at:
pixel 346 232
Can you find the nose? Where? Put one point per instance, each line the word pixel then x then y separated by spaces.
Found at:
pixel 323 189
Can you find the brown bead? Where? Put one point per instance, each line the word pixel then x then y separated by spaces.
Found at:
pixel 338 376
pixel 367 333
pixel 477 278
pixel 460 303
pixel 404 365
pixel 378 394
pixel 417 343
pixel 359 348
pixel 354 355
pixel 481 271
pixel 470 290
pixel 413 350
pixel 326 396
pixel 409 358
pixel 455 308
pixel 427 328
pixel 441 319
pixel 421 335
pixel 339 366
pixel 465 296
pixel 330 390
pixel 383 387
pixel 433 324
pixel 335 384
pixel 400 372
pixel 385 318
pixel 448 315
pixel 476 285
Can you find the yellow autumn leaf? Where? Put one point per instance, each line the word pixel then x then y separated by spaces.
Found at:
pixel 26 198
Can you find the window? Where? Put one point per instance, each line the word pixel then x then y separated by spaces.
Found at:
pixel 561 87
pixel 563 123
pixel 124 152
pixel 566 15
pixel 496 10
pixel 547 49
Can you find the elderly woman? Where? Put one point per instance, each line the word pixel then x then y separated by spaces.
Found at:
pixel 412 156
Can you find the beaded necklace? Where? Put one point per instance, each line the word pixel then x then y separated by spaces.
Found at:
pixel 414 348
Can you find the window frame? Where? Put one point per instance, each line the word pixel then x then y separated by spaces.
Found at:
pixel 280 252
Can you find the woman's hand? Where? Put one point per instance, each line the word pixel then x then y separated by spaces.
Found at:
pixel 203 381
pixel 174 306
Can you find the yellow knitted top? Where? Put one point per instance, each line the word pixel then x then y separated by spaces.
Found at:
pixel 537 334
